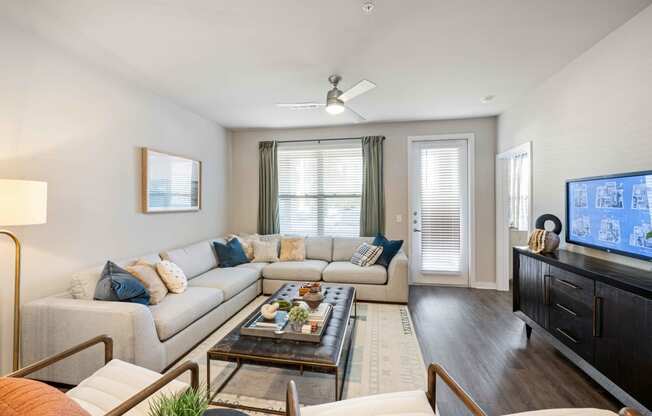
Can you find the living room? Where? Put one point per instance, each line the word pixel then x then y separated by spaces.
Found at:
pixel 313 208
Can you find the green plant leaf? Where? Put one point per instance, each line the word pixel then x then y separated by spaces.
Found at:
pixel 190 402
pixel 649 235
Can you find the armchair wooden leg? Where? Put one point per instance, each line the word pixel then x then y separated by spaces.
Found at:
pixel 435 370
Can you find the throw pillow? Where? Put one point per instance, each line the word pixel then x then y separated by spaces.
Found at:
pixel 265 251
pixel 293 249
pixel 117 284
pixel 172 275
pixel 230 254
pixel 25 397
pixel 366 255
pixel 246 242
pixel 147 275
pixel 390 248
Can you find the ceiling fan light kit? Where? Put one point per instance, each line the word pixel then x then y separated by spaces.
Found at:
pixel 335 98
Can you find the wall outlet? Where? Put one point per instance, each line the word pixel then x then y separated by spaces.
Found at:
pixel 399 218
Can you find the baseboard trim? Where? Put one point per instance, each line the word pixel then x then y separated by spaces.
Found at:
pixel 484 285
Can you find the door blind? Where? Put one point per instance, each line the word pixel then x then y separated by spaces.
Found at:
pixel 442 208
pixel 320 186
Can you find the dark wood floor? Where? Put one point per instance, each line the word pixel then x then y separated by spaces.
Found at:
pixel 474 334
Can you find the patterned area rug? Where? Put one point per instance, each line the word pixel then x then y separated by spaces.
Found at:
pixel 385 357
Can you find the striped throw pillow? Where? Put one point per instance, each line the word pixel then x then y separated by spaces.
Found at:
pixel 366 255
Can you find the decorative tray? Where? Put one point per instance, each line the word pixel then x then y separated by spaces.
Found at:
pixel 279 328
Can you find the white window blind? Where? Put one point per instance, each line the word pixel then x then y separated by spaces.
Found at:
pixel 320 186
pixel 443 199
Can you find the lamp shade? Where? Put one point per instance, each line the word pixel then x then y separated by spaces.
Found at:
pixel 23 202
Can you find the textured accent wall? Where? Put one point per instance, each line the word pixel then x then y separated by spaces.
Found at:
pixel 591 118
pixel 80 128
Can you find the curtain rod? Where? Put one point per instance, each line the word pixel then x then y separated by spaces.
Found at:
pixel 318 140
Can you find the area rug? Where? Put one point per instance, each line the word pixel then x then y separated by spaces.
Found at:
pixel 385 357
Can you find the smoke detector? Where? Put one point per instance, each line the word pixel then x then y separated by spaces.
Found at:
pixel 368 7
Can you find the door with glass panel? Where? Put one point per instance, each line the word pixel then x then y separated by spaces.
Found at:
pixel 439 223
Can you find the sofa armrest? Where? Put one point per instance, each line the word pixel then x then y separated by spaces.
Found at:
pixel 53 324
pixel 397 278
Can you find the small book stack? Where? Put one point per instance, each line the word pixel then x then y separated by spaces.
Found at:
pixel 319 314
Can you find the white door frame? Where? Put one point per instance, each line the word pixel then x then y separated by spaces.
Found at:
pixel 470 138
pixel 502 211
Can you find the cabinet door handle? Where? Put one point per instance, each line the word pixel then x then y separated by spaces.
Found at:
pixel 565 309
pixel 597 316
pixel 564 333
pixel 567 283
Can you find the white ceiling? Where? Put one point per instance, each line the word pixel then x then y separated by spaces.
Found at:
pixel 233 60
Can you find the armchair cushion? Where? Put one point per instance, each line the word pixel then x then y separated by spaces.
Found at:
pixel 402 403
pixel 25 397
pixel 116 382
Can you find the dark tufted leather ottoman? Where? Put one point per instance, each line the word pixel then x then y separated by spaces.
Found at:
pixel 331 355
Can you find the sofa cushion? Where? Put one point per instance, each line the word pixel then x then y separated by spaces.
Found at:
pixel 307 270
pixel 343 248
pixel 194 259
pixel 25 397
pixel 346 272
pixel 230 254
pixel 83 283
pixel 319 248
pixel 178 311
pixel 118 285
pixel 402 403
pixel 229 280
pixel 258 267
pixel 116 382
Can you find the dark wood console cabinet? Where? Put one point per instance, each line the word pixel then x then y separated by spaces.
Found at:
pixel 595 312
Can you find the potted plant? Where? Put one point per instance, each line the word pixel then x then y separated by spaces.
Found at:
pixel 297 316
pixel 191 402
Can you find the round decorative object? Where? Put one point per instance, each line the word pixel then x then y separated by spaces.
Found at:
pixel 314 297
pixel 269 311
pixel 541 223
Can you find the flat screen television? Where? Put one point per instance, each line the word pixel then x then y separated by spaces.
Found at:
pixel 611 213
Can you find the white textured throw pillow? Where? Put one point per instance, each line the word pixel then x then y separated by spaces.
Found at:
pixel 265 251
pixel 172 275
pixel 366 255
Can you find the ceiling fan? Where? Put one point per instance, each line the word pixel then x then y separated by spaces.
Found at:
pixel 335 99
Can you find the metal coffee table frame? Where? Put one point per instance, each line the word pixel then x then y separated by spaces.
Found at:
pixel 240 359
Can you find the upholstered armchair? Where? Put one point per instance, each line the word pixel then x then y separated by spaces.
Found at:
pixel 118 387
pixel 417 403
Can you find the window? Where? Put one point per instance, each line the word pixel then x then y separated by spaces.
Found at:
pixel 519 186
pixel 320 187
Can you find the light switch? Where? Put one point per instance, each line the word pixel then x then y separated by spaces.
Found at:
pixel 399 218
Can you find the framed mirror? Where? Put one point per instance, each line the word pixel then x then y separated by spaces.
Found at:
pixel 171 183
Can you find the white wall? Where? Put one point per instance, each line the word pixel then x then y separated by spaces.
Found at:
pixel 244 175
pixel 593 117
pixel 80 129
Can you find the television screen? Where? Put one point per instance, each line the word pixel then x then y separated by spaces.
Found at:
pixel 611 213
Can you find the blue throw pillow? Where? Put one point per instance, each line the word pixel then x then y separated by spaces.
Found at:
pixel 117 284
pixel 230 254
pixel 390 248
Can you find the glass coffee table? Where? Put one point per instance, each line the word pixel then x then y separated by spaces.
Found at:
pixel 330 355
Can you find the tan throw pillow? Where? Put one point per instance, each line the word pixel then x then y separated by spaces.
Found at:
pixel 172 275
pixel 293 249
pixel 148 276
pixel 265 251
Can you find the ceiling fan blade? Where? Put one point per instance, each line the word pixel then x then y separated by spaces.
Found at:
pixel 356 114
pixel 359 88
pixel 301 106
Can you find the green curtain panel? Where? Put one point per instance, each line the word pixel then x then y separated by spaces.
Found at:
pixel 268 220
pixel 372 209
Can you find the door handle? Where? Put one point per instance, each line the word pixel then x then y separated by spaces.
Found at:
pixel 416 231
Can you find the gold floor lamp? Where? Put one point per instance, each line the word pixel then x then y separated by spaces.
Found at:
pixel 21 203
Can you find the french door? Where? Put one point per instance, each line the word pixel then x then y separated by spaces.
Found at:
pixel 439 219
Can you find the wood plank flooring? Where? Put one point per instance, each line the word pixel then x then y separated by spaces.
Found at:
pixel 474 334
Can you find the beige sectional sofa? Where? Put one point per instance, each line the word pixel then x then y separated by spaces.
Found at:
pixel 155 336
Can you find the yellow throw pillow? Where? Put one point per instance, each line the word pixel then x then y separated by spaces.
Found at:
pixel 293 249
pixel 265 251
pixel 172 275
pixel 148 276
